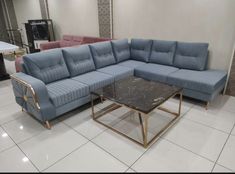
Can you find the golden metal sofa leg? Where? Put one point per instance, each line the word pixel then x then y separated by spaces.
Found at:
pixel 207 105
pixel 47 125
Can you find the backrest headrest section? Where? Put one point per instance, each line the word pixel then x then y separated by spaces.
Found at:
pixel 163 52
pixel 48 66
pixel 121 49
pixel 102 54
pixel 191 55
pixel 140 49
pixel 78 59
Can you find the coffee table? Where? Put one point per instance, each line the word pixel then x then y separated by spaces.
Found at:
pixel 140 96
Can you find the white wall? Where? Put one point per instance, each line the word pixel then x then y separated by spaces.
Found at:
pixel 26 10
pixel 78 17
pixel 209 21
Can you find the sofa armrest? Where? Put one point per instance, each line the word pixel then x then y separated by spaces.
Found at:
pixel 32 95
pixel 49 45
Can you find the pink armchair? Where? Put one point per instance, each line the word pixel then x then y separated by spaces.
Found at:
pixel 70 40
pixel 67 41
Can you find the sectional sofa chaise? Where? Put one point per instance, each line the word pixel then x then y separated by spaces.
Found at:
pixel 56 81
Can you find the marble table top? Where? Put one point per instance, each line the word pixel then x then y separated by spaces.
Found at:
pixel 6 47
pixel 138 93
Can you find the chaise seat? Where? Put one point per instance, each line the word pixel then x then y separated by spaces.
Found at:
pixel 206 81
pixel 94 79
pixel 65 91
pixel 155 72
pixel 117 72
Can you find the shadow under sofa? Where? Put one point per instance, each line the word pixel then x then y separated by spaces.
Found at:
pixel 59 80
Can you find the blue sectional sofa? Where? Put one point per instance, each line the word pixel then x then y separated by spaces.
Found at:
pixel 59 80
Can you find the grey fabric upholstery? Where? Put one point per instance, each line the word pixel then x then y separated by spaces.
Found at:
pixel 103 54
pixel 63 80
pixel 121 50
pixel 65 91
pixel 140 49
pixel 72 105
pixel 201 95
pixel 162 52
pixel 131 63
pixel 48 66
pixel 118 72
pixel 79 60
pixel 192 56
pixel 204 81
pixel 155 72
pixel 94 79
pixel 47 110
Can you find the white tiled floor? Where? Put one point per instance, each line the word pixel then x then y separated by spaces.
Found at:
pixel 202 140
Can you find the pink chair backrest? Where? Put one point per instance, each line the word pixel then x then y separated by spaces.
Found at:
pixel 67 37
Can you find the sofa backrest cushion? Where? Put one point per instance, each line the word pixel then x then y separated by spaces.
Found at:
pixel 78 60
pixel 48 66
pixel 162 52
pixel 103 54
pixel 140 49
pixel 121 49
pixel 192 56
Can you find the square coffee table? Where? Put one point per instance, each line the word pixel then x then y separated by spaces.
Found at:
pixel 140 96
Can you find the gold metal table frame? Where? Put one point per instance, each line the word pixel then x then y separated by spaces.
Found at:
pixel 143 118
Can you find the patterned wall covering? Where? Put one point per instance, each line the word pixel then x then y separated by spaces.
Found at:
pixel 231 83
pixel 105 18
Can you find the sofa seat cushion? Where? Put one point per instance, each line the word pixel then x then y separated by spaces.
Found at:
pixel 103 54
pixel 140 49
pixel 66 91
pixel 204 81
pixel 131 63
pixel 94 79
pixel 48 66
pixel 78 60
pixel 118 72
pixel 121 50
pixel 162 52
pixel 193 56
pixel 154 72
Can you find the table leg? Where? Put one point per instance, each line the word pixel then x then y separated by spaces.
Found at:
pixel 3 73
pixel 144 127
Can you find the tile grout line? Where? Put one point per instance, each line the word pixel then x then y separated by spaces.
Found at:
pixel 231 112
pixel 98 135
pixel 224 167
pixel 182 147
pixel 65 156
pixel 60 121
pixel 11 120
pixel 89 141
pixel 23 153
pixel 188 119
pixel 144 151
pixel 7 147
pixel 207 125
pixel 35 135
pixel 223 149
pixel 157 140
pixel 130 169
pixel 110 154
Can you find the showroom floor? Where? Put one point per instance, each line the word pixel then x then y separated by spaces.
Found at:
pixel 200 141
